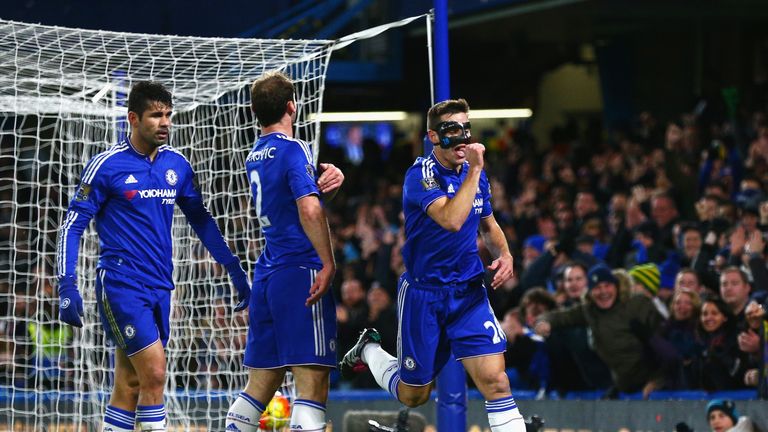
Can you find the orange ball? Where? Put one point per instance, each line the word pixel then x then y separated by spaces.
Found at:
pixel 277 414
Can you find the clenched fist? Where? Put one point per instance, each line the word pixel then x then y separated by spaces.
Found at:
pixel 475 153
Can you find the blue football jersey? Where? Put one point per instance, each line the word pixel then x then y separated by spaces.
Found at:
pixel 432 254
pixel 280 171
pixel 132 200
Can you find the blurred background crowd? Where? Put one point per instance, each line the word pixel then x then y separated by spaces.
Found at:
pixel 640 259
pixel 639 236
pixel 673 214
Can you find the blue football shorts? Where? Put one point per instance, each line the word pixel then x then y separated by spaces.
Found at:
pixel 282 330
pixel 133 314
pixel 436 321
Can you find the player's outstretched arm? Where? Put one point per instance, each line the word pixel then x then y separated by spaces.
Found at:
pixel 497 243
pixel 315 225
pixel 330 180
pixel 206 229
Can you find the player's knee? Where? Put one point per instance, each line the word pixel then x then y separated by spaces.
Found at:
pixel 127 390
pixel 494 383
pixel 153 378
pixel 414 399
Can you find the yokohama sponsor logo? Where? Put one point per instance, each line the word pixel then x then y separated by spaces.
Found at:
pixel 157 193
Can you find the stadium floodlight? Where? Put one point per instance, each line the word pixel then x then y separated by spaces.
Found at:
pixel 501 113
pixel 377 116
pixel 366 116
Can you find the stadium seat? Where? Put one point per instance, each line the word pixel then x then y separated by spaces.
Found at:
pixel 678 395
pixel 734 394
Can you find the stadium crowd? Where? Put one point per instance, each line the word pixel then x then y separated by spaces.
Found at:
pixel 641 257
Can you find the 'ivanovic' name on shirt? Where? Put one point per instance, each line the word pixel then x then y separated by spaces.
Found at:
pixel 267 153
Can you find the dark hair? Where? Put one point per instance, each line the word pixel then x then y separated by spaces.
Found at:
pixel 686 227
pixel 576 263
pixel 713 197
pixel 450 106
pixel 664 195
pixel 742 274
pixel 730 320
pixel 540 296
pixel 270 95
pixel 144 93
pixel 691 271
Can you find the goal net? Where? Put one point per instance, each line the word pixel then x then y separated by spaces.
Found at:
pixel 62 100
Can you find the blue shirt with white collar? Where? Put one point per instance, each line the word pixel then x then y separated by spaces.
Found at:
pixel 132 200
pixel 281 171
pixel 432 254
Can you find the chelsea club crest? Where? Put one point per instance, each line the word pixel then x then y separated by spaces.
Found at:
pixel 409 363
pixel 171 177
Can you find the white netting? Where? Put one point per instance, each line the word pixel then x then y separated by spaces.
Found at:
pixel 62 93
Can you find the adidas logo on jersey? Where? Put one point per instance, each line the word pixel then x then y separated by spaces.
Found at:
pixel 451 189
pixel 131 179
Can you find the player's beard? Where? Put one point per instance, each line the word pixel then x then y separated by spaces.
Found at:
pixel 157 138
pixel 162 137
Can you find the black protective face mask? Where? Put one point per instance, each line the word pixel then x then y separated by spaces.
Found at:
pixel 460 133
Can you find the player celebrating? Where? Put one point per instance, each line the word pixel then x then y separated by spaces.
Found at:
pixel 287 328
pixel 131 190
pixel 442 303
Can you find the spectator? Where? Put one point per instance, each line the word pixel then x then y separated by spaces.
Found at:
pixel 723 417
pixel 584 205
pixel 680 332
pixel 646 280
pixel 621 326
pixel 734 290
pixel 665 215
pixel 575 366
pixel 645 246
pixel 694 252
pixel 545 269
pixel 720 366
pixel 351 314
pixel 668 270
pixel 758 323
pixel 50 338
pixel 754 259
pixel 688 279
pixel 533 247
pixel 527 352
pixel 383 317
pixel 710 222
pixel 575 284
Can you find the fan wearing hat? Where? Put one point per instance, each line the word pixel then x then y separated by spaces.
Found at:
pixel 646 280
pixel 722 416
pixel 621 326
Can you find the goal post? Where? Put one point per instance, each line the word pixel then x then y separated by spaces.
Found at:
pixel 62 101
